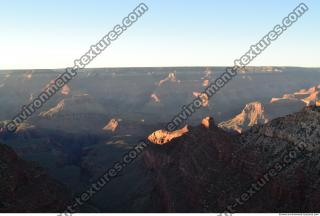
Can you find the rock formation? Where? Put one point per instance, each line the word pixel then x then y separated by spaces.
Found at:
pixel 252 114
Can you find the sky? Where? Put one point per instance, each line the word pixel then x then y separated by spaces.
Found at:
pixel 38 34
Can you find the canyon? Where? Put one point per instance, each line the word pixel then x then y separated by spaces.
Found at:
pixel 200 167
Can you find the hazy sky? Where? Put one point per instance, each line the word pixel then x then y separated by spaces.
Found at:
pixel 51 34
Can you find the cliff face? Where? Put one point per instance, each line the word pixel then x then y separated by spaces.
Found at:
pixel 255 113
pixel 187 172
pixel 295 189
pixel 206 169
pixel 308 96
pixel 252 114
pixel 24 187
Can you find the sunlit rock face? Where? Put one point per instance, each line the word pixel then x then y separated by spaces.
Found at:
pixel 208 122
pixel 111 126
pixel 252 114
pixel 79 103
pixel 65 90
pixel 155 98
pixel 54 110
pixel 170 78
pixel 206 77
pixel 161 137
pixel 204 98
pixel 308 96
pixel 205 83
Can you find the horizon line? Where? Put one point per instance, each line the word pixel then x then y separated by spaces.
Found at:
pixel 127 67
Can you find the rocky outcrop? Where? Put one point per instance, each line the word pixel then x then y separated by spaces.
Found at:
pixel 161 137
pixel 65 90
pixel 170 78
pixel 251 115
pixel 205 83
pixel 155 98
pixel 206 77
pixel 76 113
pixel 54 110
pixel 208 122
pixel 111 126
pixel 308 96
pixel 203 97
pixel 189 171
pixel 80 103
